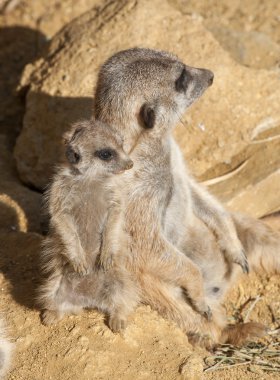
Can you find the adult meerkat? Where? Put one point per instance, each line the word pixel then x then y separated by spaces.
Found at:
pixel 145 89
pixel 86 225
pixel 5 351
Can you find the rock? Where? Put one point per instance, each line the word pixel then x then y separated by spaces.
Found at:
pixel 250 16
pixel 15 53
pixel 253 49
pixel 273 220
pixel 192 368
pixel 230 138
pixel 260 199
pixel 19 206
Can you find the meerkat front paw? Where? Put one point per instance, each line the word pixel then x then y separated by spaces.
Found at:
pixel 205 311
pixel 201 307
pixel 234 252
pixel 81 267
pixel 106 261
pixel 238 257
pixel 241 259
pixel 49 317
pixel 117 323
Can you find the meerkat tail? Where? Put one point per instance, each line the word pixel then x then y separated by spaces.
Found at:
pixel 261 243
pixel 5 352
pixel 241 333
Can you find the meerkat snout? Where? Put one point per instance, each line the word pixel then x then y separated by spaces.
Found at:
pixel 206 76
pixel 209 76
pixel 211 79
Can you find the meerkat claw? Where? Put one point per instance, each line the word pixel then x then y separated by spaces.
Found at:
pixel 81 269
pixel 243 262
pixel 107 263
pixel 208 314
pixel 49 317
pixel 205 311
pixel 245 267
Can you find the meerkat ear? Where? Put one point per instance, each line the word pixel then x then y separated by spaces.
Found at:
pixel 182 82
pixel 70 135
pixel 148 115
pixel 72 156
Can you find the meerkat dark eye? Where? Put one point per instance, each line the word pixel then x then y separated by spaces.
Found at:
pixel 181 84
pixel 105 154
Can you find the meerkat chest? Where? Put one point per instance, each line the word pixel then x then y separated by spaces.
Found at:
pixel 179 211
pixel 91 212
pixel 151 183
pixel 148 191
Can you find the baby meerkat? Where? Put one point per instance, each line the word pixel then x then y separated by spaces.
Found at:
pixel 82 196
pixel 86 225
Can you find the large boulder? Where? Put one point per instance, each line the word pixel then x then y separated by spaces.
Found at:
pixel 230 138
pixel 253 49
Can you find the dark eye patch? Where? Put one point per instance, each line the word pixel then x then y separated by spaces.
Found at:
pixel 106 154
pixel 181 84
pixel 72 156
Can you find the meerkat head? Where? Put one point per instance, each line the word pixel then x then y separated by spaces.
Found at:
pixel 143 88
pixel 94 148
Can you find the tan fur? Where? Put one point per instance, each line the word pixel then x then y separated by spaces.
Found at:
pixel 167 212
pixel 261 243
pixel 79 252
pixel 145 207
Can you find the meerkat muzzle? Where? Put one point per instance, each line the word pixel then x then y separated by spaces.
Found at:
pixel 207 75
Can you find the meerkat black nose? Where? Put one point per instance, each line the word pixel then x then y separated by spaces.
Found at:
pixel 211 78
pixel 206 76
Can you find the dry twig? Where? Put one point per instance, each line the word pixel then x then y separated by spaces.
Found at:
pixel 265 356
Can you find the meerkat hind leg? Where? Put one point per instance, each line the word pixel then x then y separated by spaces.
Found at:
pixel 50 317
pixel 118 318
pixel 117 323
pixel 187 275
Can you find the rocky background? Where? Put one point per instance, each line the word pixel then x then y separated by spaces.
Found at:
pixel 50 52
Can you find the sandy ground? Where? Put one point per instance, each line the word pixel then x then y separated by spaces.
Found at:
pixel 82 347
